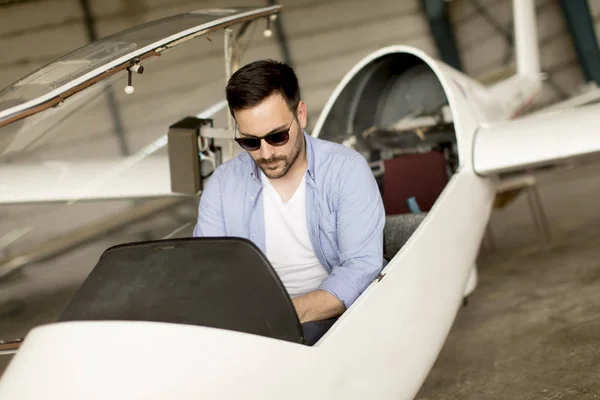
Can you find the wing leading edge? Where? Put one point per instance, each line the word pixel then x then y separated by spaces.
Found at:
pixel 536 141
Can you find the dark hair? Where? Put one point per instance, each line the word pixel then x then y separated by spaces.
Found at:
pixel 258 80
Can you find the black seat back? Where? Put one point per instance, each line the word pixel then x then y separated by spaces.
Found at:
pixel 398 229
pixel 216 282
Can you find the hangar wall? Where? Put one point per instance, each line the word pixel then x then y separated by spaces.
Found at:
pixel 485 50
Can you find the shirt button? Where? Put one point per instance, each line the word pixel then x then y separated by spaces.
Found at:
pixel 252 198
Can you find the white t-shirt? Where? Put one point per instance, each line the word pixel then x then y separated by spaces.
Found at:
pixel 288 245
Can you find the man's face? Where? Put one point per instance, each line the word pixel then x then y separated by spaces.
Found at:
pixel 270 116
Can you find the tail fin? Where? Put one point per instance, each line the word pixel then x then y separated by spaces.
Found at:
pixel 526 37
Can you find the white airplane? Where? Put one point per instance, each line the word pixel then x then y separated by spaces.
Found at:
pixel 385 344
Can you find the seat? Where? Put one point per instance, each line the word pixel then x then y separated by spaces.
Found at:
pixel 397 230
pixel 422 176
pixel 217 282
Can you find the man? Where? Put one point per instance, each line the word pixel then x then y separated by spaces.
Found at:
pixel 312 206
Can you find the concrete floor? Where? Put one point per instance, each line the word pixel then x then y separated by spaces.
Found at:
pixel 531 329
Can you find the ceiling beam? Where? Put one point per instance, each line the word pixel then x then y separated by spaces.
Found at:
pixel 442 31
pixel 581 26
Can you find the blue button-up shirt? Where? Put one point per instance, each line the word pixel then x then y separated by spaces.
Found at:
pixel 344 213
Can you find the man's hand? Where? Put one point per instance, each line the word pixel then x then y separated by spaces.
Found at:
pixel 317 305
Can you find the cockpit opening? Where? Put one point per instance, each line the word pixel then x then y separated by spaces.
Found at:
pixel 395 112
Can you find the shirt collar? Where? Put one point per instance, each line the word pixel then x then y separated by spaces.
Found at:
pixel 310 155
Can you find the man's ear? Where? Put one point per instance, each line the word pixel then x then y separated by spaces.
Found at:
pixel 302 113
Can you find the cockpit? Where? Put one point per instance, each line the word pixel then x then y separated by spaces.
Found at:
pixel 395 112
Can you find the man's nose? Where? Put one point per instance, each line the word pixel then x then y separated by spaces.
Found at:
pixel 266 151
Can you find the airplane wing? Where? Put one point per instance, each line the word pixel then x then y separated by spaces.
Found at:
pixel 144 174
pixel 537 140
pixel 590 97
pixel 85 179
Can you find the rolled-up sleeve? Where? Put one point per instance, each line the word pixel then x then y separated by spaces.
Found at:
pixel 210 209
pixel 360 223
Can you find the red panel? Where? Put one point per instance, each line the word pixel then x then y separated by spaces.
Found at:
pixel 420 175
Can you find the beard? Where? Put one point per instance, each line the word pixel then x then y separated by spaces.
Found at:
pixel 287 161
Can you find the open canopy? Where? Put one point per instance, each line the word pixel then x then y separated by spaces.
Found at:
pixel 73 72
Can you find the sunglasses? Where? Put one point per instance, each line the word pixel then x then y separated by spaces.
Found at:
pixel 273 139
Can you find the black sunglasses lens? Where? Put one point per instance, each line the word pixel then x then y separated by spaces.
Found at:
pixel 277 139
pixel 274 139
pixel 249 143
